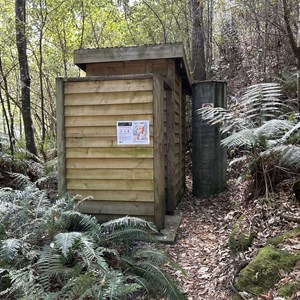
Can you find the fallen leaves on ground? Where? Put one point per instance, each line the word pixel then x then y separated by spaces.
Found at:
pixel 201 248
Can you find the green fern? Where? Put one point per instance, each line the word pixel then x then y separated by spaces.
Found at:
pixel 9 249
pixel 65 241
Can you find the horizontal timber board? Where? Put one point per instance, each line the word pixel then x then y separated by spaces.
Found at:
pixel 131 196
pixel 96 142
pixel 117 208
pixel 94 131
pixel 110 174
pixel 110 185
pixel 108 86
pixel 125 68
pixel 109 110
pixel 108 98
pixel 104 120
pixel 117 152
pixel 104 163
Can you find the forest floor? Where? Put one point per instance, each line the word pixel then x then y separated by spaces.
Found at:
pixel 202 250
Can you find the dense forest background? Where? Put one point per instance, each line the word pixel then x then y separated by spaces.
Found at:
pixel 240 41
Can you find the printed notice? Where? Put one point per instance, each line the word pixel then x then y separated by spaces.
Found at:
pixel 133 132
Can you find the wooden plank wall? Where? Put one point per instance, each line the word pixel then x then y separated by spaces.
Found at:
pixel 120 177
pixel 179 149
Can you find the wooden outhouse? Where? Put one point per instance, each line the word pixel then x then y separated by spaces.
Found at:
pixel 121 130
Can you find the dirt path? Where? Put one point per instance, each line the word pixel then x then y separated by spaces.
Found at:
pixel 201 247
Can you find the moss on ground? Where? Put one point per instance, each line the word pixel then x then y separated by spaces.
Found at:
pixel 281 238
pixel 263 271
pixel 241 236
pixel 289 289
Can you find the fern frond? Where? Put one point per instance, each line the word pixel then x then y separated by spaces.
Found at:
pixel 128 222
pixel 274 128
pixel 227 120
pixel 9 248
pixel 66 240
pixel 155 279
pixel 261 102
pixel 154 255
pixel 20 180
pixel 128 235
pixel 290 155
pixel 91 255
pixel 245 137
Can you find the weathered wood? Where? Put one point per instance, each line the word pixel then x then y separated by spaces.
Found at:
pixel 108 86
pixel 117 208
pixel 104 120
pixel 126 179
pixel 131 196
pixel 110 174
pixel 110 185
pixel 117 152
pixel 109 98
pixel 170 124
pixel 109 110
pixel 95 131
pixel 94 142
pixel 158 148
pixel 126 67
pixel 60 137
pixel 104 163
pixel 86 56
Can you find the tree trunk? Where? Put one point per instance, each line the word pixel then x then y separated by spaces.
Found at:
pixel 9 120
pixel 198 51
pixel 295 44
pixel 20 15
pixel 298 57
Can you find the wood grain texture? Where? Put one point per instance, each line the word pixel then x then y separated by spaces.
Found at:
pixel 105 163
pixel 108 86
pixel 110 185
pixel 158 163
pixel 109 110
pixel 103 120
pixel 94 131
pixel 110 174
pixel 108 98
pixel 116 152
pixel 117 208
pixel 131 196
pixel 61 147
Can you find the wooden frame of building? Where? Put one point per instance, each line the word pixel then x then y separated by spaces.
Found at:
pixel 146 83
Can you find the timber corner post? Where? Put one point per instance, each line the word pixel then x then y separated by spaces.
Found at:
pixel 209 157
pixel 158 152
pixel 61 144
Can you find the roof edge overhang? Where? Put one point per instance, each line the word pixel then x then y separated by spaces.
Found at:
pixel 82 57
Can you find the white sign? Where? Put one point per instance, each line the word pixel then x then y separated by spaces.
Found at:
pixel 133 132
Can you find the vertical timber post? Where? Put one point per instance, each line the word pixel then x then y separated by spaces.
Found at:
pixel 209 157
pixel 158 151
pixel 61 142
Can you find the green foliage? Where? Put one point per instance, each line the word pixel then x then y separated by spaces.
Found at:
pixel 262 127
pixel 52 251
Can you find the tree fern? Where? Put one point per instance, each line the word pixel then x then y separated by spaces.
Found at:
pixel 260 103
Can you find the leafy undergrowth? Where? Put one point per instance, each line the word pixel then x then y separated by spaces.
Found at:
pixel 202 246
